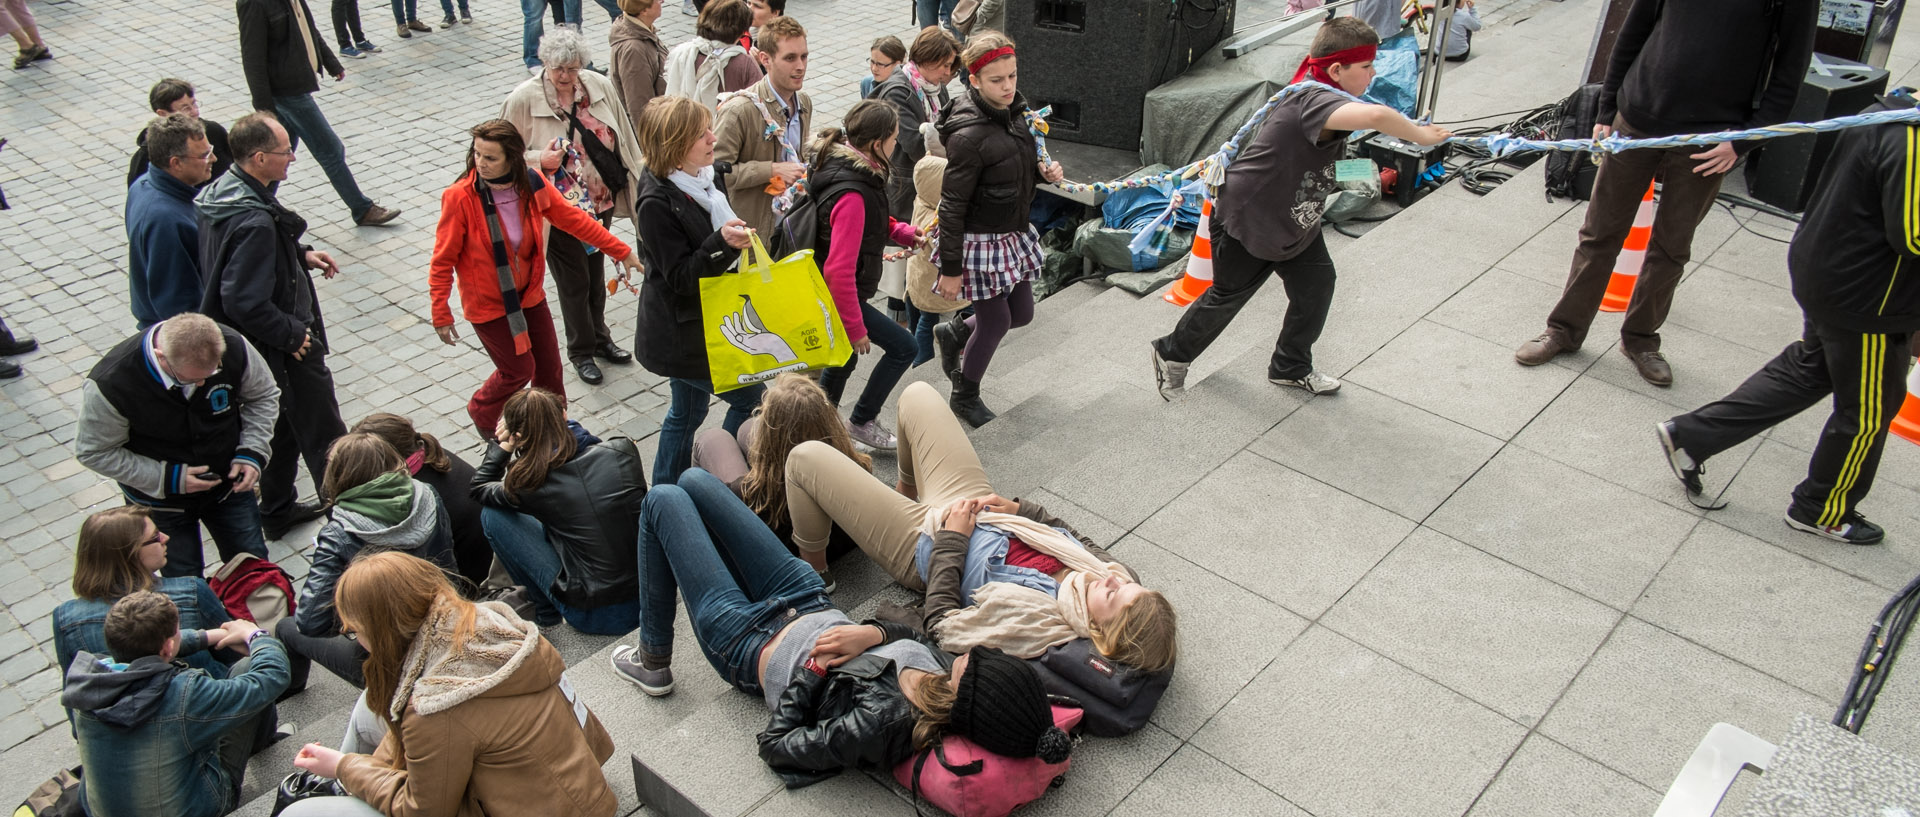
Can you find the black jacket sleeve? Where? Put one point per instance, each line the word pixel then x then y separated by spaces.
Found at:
pixel 679 261
pixel 1792 50
pixel 795 742
pixel 256 53
pixel 247 284
pixel 956 197
pixel 1626 48
pixel 487 487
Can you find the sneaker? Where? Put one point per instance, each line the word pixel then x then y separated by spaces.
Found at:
pixel 354 53
pixel 376 216
pixel 1170 377
pixel 1315 383
pixel 1684 468
pixel 873 435
pixel 367 46
pixel 448 22
pixel 655 682
pixel 826 578
pixel 1542 349
pixel 402 32
pixel 1852 528
pixel 416 25
pixel 465 17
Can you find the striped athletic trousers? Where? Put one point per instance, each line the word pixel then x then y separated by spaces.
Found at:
pixel 1865 374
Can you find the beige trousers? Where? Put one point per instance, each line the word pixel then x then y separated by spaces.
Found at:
pixel 824 488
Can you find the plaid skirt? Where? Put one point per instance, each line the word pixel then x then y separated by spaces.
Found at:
pixel 993 263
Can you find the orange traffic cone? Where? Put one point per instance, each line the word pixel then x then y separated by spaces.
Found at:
pixel 1199 264
pixel 1626 270
pixel 1906 424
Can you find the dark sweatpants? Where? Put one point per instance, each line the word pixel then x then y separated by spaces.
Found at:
pixel 1237 275
pixel 1866 375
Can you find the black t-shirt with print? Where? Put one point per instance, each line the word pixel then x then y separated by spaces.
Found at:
pixel 1276 189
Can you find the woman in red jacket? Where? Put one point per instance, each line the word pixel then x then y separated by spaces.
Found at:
pixel 491 239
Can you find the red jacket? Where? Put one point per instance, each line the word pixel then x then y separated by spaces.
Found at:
pixel 463 249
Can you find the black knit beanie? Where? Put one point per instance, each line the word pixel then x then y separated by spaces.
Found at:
pixel 1002 706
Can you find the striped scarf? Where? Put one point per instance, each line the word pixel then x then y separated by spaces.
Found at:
pixel 503 267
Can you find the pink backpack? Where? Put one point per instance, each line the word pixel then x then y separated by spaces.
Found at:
pixel 968 781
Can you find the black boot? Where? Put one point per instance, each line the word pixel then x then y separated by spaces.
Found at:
pixel 966 404
pixel 950 337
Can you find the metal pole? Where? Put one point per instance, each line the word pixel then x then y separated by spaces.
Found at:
pixel 1281 28
pixel 1438 27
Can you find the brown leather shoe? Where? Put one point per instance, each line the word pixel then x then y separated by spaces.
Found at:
pixel 416 25
pixel 376 216
pixel 1542 349
pixel 1652 367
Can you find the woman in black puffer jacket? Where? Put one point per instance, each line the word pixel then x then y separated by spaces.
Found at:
pixel 561 514
pixel 988 251
pixel 843 695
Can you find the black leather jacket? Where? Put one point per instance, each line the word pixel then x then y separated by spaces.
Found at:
pixel 591 509
pixel 854 716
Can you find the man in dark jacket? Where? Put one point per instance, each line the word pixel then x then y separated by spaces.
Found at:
pixel 1677 68
pixel 283 54
pixel 257 282
pixel 180 415
pixel 157 737
pixel 163 241
pixel 176 96
pixel 1845 262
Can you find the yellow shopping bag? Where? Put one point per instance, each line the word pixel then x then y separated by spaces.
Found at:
pixel 770 317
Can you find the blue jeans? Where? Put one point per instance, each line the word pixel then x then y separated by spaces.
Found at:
pixel 685 413
pixel 533 26
pixel 899 347
pixel 922 323
pixel 689 534
pixel 447 6
pixel 232 518
pixel 302 118
pixel 405 10
pixel 924 12
pixel 572 9
pixel 521 543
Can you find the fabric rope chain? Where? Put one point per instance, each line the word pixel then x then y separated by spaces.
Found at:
pixel 1212 169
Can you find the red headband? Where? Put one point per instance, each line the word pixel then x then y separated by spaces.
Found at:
pixel 1003 51
pixel 1316 67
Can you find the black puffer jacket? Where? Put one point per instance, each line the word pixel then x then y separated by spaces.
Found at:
pixel 591 509
pixel 992 167
pixel 855 716
pixel 680 246
pixel 841 173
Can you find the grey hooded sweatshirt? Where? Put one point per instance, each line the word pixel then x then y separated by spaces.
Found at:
pixel 426 532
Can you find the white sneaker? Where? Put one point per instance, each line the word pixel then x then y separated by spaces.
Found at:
pixel 873 435
pixel 1315 382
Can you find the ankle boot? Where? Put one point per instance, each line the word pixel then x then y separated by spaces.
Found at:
pixel 966 404
pixel 950 337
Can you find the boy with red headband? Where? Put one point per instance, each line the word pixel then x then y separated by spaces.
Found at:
pixel 1266 214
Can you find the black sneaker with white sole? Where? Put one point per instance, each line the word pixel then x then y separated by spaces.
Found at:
pixel 1852 528
pixel 1684 468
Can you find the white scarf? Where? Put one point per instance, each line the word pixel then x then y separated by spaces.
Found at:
pixel 1018 619
pixel 703 192
pixel 689 77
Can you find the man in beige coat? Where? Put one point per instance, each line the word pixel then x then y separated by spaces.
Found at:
pixel 763 129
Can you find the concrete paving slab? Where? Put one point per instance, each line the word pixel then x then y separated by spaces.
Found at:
pixel 1758 315
pixel 1378 449
pixel 1760 259
pixel 1488 307
pixel 1342 731
pixel 1545 779
pixel 1584 533
pixel 1758 498
pixel 1105 771
pixel 1462 378
pixel 1290 539
pixel 1705 368
pixel 1499 635
pixel 1215 663
pixel 1727 591
pixel 1192 782
pixel 1649 696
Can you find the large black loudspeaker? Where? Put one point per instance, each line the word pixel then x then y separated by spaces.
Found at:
pixel 1095 60
pixel 1783 170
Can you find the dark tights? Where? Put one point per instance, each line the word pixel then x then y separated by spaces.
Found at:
pixel 991 320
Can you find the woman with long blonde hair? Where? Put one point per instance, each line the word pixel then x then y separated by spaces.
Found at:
pixel 466 703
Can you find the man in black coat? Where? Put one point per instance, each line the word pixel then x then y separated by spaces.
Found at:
pixel 283 54
pixel 257 282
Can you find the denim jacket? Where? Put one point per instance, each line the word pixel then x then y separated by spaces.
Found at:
pixel 168 761
pixel 80 624
pixel 987 562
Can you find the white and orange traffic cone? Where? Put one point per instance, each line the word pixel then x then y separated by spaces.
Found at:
pixel 1199 264
pixel 1906 424
pixel 1626 270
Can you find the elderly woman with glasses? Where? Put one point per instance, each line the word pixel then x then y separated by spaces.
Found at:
pixel 578 133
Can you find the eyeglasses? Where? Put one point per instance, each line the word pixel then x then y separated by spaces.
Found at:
pixel 157 538
pixel 878 64
pixel 561 69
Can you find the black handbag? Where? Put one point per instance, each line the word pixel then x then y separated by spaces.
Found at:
pixel 1118 699
pixel 606 160
pixel 301 785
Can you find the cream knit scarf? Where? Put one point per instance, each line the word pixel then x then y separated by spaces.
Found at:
pixel 1018 619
